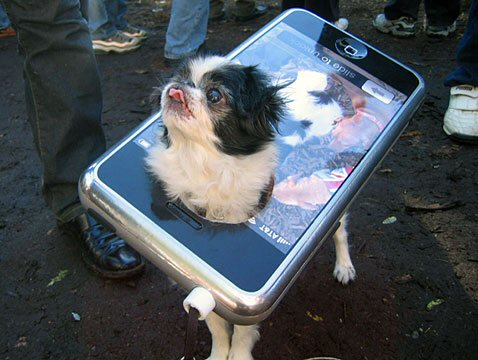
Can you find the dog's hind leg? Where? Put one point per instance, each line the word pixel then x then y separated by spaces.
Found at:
pixel 221 336
pixel 344 270
pixel 243 340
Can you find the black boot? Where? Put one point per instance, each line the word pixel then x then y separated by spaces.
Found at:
pixel 105 253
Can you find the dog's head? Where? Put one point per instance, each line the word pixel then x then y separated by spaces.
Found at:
pixel 217 103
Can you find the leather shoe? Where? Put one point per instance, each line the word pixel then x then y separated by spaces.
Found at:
pixel 105 253
pixel 259 10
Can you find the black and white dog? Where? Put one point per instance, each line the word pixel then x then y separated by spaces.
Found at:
pixel 217 155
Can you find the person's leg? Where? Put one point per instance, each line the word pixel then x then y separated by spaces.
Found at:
pixel 246 10
pixel 441 17
pixel 99 22
pixel 63 94
pixel 119 16
pixel 106 36
pixel 187 28
pixel 327 9
pixel 398 18
pixel 4 20
pixel 396 9
pixel 442 12
pixel 244 7
pixel 216 9
pixel 64 102
pixel 461 117
pixel 289 4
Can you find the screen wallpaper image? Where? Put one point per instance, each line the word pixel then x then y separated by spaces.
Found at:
pixel 334 114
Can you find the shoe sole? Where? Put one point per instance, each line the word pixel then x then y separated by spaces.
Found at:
pixel 107 49
pixel 112 274
pixel 465 139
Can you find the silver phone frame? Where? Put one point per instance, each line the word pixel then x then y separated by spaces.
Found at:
pixel 187 269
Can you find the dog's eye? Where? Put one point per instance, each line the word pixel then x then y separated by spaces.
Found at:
pixel 213 96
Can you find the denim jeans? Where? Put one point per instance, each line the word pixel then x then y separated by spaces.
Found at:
pixel 187 28
pixel 467 53
pixel 106 17
pixel 4 20
pixel 439 12
pixel 63 95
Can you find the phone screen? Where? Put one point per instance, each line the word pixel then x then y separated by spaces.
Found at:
pixel 335 111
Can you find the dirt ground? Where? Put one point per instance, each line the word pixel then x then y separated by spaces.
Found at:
pixel 427 255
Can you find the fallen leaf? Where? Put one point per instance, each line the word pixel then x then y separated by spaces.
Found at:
pixel 314 317
pixel 21 342
pixel 413 133
pixel 76 316
pixel 434 303
pixel 61 275
pixel 389 220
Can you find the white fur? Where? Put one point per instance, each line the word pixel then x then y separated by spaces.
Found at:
pixel 226 187
pixel 302 106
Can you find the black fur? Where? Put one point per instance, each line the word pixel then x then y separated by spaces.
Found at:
pixel 255 109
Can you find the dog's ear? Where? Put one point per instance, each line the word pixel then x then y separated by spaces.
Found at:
pixel 262 101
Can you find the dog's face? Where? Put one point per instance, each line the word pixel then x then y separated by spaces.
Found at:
pixel 219 104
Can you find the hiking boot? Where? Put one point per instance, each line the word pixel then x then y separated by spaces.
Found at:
pixel 461 118
pixel 402 27
pixel 118 43
pixel 440 31
pixel 134 32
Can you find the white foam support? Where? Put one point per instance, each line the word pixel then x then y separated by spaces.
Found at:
pixel 200 299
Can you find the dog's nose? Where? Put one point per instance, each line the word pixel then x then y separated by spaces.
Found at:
pixel 176 94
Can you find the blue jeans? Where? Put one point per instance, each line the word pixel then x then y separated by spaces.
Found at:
pixel 467 53
pixel 106 17
pixel 187 28
pixel 4 20
pixel 63 95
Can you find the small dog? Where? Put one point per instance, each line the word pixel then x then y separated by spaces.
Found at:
pixel 217 155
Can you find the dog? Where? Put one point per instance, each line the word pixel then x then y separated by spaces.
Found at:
pixel 216 154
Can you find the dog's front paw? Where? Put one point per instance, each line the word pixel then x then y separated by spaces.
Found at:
pixel 344 273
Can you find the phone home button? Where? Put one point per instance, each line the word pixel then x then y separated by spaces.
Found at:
pixel 351 48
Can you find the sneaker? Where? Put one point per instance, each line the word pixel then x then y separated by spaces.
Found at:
pixel 342 23
pixel 119 43
pixel 402 27
pixel 8 31
pixel 441 31
pixel 461 117
pixel 134 32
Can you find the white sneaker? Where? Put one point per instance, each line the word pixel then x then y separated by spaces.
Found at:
pixel 461 117
pixel 402 27
pixel 342 23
